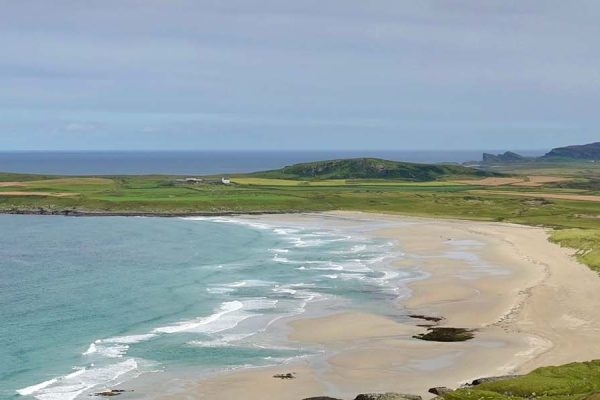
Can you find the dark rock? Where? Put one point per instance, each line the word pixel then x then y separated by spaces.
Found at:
pixel 387 396
pixel 479 381
pixel 289 375
pixel 111 392
pixel 425 317
pixel 442 334
pixel 440 390
pixel 321 398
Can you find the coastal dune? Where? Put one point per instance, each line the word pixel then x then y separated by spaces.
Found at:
pixel 528 302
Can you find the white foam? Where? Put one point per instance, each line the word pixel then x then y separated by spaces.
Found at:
pixel 128 339
pixel 230 221
pixel 329 266
pixel 220 290
pixel 223 341
pixel 285 231
pixel 248 283
pixel 259 304
pixel 91 350
pixel 36 388
pixel 357 248
pixel 68 387
pixel 115 347
pixel 280 259
pixel 207 324
pixel 284 289
pixel 111 351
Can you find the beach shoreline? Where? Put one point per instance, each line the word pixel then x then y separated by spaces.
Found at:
pixel 528 302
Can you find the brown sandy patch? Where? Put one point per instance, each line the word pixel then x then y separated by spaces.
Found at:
pixel 532 181
pixel 539 180
pixel 557 196
pixel 70 181
pixel 491 181
pixel 11 184
pixel 46 194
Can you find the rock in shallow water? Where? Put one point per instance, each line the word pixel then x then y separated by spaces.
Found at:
pixel 111 392
pixel 321 398
pixel 445 334
pixel 387 396
pixel 289 375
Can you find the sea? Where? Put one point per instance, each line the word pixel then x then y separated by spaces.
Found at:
pixel 204 162
pixel 87 303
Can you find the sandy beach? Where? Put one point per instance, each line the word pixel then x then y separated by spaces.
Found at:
pixel 528 301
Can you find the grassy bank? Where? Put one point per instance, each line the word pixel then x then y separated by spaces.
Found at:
pixel 585 241
pixel 575 381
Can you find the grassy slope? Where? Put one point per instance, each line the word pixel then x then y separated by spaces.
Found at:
pixel 586 241
pixel 571 381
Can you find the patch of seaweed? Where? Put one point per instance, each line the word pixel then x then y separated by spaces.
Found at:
pixel 443 334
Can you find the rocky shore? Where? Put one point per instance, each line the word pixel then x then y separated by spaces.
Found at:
pixel 72 212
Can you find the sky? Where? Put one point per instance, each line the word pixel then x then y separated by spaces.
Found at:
pixel 296 75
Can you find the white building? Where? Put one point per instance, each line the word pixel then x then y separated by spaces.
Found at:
pixel 225 181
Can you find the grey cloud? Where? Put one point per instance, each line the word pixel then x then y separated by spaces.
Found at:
pixel 311 67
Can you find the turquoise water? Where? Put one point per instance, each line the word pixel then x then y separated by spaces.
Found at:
pixel 86 303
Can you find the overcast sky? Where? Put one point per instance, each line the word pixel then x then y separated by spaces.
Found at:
pixel 306 74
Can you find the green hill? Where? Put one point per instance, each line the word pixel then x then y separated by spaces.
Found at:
pixel 373 168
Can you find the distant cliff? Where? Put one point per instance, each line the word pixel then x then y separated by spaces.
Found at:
pixel 589 151
pixel 506 157
pixel 579 152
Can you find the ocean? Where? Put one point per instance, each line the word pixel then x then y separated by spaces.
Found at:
pixel 202 162
pixel 88 303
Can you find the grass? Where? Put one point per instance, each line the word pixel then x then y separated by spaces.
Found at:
pixel 585 241
pixel 575 381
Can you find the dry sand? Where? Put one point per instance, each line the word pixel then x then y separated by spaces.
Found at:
pixel 530 302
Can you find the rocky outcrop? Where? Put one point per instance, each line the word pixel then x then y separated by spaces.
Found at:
pixel 387 396
pixel 440 390
pixel 479 381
